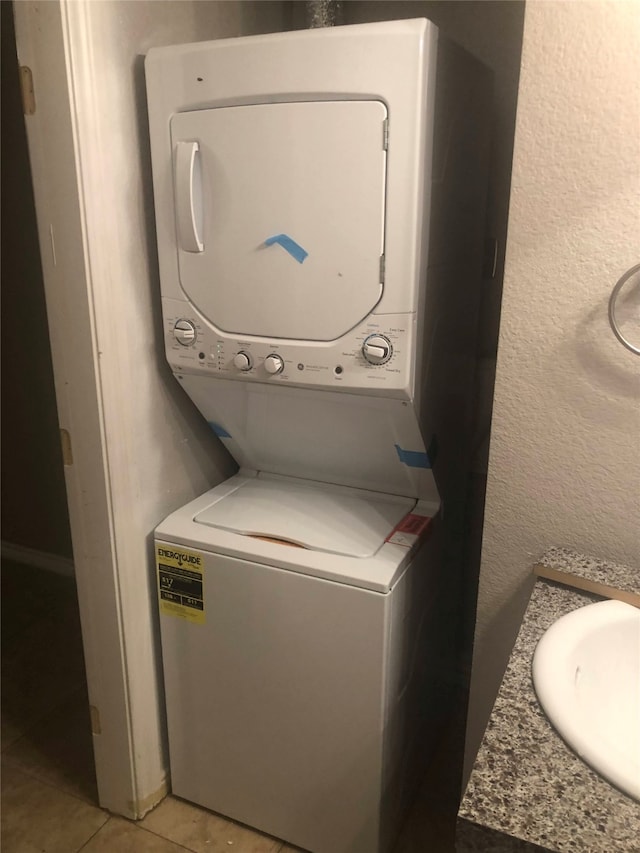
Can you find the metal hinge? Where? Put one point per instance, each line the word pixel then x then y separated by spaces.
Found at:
pixel 65 441
pixel 96 725
pixel 27 90
pixel 385 135
pixel 382 264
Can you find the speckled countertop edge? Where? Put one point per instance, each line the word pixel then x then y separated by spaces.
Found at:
pixel 601 571
pixel 526 782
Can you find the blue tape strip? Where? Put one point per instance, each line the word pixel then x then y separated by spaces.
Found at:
pixel 413 458
pixel 289 245
pixel 220 431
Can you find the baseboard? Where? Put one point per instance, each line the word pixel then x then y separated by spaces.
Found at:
pixel 38 559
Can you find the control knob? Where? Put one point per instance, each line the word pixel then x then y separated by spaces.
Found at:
pixel 274 363
pixel 242 360
pixel 184 332
pixel 377 349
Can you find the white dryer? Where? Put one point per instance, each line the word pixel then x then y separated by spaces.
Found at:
pixel 318 200
pixel 293 642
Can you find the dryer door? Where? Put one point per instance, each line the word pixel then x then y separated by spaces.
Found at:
pixel 280 225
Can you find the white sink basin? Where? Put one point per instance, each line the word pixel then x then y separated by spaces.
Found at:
pixel 586 672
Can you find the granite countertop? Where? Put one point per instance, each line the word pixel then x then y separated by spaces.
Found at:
pixel 526 782
pixel 603 572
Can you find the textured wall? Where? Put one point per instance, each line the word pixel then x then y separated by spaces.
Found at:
pixel 564 465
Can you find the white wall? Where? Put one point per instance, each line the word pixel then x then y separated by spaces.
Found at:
pixel 564 464
pixel 139 447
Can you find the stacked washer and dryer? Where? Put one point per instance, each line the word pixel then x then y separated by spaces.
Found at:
pixel 319 199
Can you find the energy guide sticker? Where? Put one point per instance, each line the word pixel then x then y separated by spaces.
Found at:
pixel 180 583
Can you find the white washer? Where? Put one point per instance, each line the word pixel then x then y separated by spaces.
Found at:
pixel 293 651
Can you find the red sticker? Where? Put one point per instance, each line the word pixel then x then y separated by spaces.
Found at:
pixel 409 529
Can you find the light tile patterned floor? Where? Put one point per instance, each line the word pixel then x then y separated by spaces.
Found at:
pixel 49 796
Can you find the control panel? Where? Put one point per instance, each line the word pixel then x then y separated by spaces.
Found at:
pixel 376 356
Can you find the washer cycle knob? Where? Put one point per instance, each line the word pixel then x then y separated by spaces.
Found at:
pixel 184 332
pixel 274 364
pixel 242 360
pixel 377 349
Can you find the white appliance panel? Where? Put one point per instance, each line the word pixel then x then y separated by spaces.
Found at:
pixel 330 365
pixel 284 731
pixel 284 173
pixel 332 520
pixel 367 442
pixel 377 573
pixel 392 62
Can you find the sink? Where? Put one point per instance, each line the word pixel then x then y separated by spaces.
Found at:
pixel 586 673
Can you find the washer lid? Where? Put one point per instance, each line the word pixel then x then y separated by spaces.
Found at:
pixel 332 519
pixel 280 212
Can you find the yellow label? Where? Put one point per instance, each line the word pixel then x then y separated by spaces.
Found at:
pixel 180 582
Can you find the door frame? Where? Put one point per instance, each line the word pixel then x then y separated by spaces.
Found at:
pixel 125 688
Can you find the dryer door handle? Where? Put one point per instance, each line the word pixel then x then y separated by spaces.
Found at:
pixel 188 196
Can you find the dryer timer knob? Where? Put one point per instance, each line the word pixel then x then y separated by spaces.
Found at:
pixel 184 332
pixel 242 361
pixel 377 349
pixel 274 363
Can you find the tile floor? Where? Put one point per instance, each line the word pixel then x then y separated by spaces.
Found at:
pixel 49 796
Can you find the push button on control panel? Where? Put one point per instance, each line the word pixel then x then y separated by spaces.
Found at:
pixel 377 349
